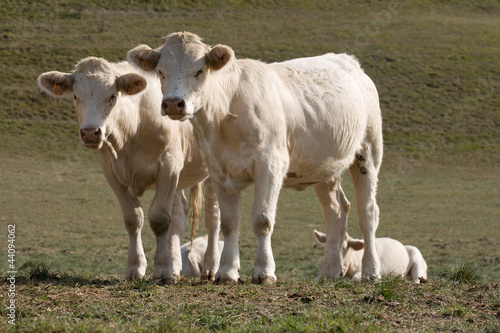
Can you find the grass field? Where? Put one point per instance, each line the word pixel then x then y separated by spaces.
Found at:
pixel 436 65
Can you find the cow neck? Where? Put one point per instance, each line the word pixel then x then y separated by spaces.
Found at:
pixel 220 94
pixel 127 125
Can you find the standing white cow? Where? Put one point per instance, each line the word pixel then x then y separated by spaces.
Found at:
pixel 119 114
pixel 296 123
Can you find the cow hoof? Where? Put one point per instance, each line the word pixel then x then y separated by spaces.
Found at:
pixel 169 281
pixel 134 274
pixel 225 281
pixel 205 278
pixel 264 281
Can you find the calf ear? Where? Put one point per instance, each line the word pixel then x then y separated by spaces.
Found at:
pixel 355 244
pixel 144 57
pixel 56 84
pixel 131 84
pixel 219 56
pixel 320 237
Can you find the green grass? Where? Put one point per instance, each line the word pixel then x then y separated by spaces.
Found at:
pixel 436 68
pixel 99 305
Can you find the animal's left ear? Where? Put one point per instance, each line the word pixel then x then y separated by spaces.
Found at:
pixel 355 244
pixel 219 56
pixel 131 84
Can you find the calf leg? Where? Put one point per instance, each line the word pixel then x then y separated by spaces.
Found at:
pixel 230 212
pixel 212 222
pixel 417 266
pixel 335 209
pixel 364 172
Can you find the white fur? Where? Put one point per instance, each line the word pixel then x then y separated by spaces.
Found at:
pixel 395 258
pixel 138 150
pixel 295 123
pixel 193 255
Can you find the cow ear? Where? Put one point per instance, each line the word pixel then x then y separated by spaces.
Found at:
pixel 131 84
pixel 320 237
pixel 219 56
pixel 143 57
pixel 56 84
pixel 355 244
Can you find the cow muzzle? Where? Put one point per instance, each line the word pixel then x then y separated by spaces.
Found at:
pixel 174 107
pixel 91 137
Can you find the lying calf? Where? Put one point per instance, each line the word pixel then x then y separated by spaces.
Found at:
pixel 395 258
pixel 192 256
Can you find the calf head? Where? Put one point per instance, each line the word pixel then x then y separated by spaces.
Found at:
pixel 348 251
pixel 184 64
pixel 95 88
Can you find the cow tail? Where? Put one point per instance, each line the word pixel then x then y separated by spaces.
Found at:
pixel 195 202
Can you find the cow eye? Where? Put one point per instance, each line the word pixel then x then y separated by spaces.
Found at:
pixel 112 99
pixel 198 73
pixel 161 74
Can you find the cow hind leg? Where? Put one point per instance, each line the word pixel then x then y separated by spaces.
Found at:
pixel 211 258
pixel 364 172
pixel 335 209
pixel 230 212
pixel 176 232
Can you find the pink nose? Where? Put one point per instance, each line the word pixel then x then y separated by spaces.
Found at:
pixel 91 134
pixel 173 106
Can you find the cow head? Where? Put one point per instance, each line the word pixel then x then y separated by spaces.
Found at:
pixel 95 89
pixel 184 64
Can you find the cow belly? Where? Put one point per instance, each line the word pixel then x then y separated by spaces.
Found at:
pixel 302 175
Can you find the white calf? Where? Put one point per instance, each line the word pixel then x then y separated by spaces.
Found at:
pixel 119 115
pixel 297 123
pixel 395 258
pixel 192 256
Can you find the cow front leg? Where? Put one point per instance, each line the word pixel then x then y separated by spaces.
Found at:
pixel 133 217
pixel 335 209
pixel 267 189
pixel 230 212
pixel 365 176
pixel 160 218
pixel 211 258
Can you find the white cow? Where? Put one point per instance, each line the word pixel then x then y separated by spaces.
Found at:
pixel 395 258
pixel 119 115
pixel 296 123
pixel 192 254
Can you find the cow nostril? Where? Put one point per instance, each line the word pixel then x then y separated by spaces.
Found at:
pixel 164 105
pixel 98 133
pixel 181 104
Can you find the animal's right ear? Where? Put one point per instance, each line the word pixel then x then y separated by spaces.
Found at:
pixel 320 237
pixel 143 57
pixel 56 84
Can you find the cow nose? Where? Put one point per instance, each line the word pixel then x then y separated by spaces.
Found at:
pixel 173 106
pixel 91 134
